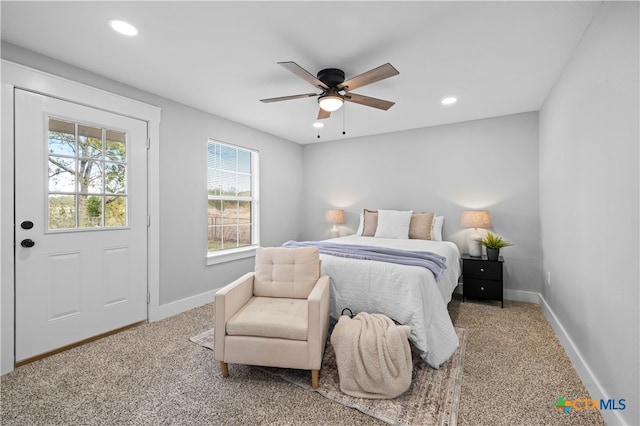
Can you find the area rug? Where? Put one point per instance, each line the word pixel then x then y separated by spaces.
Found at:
pixel 432 398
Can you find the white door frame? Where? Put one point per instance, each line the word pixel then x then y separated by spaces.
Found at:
pixel 15 75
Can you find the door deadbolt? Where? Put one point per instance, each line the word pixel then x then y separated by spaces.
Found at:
pixel 27 243
pixel 27 224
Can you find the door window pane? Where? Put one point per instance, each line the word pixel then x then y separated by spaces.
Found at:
pixel 115 178
pixel 90 176
pixel 116 149
pixel 115 211
pixel 62 137
pixel 62 211
pixel 62 174
pixel 90 211
pixel 87 176
pixel 89 141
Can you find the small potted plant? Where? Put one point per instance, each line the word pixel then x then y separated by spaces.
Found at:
pixel 493 243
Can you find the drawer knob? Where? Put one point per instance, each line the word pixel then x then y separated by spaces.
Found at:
pixel 481 269
pixel 482 288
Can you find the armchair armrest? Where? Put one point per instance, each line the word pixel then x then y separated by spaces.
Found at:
pixel 319 304
pixel 228 300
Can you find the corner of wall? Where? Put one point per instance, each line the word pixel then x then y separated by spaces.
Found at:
pixel 580 364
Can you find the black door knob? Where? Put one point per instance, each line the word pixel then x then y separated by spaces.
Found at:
pixel 27 224
pixel 27 243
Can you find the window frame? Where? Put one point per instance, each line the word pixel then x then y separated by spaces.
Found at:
pixel 103 194
pixel 231 254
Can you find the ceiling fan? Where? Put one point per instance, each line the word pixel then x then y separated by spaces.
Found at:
pixel 335 90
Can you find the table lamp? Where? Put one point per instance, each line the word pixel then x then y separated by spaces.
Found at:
pixel 475 219
pixel 334 216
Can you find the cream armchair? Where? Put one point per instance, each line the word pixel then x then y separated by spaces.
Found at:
pixel 277 316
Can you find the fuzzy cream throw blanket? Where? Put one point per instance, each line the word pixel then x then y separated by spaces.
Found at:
pixel 373 356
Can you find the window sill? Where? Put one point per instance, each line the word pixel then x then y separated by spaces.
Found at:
pixel 231 255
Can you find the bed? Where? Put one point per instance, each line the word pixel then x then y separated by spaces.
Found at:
pixel 408 294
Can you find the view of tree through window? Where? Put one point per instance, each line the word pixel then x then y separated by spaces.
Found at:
pixel 231 198
pixel 87 176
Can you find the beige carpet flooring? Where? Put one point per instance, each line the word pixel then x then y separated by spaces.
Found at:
pixel 515 368
pixel 432 398
pixel 514 371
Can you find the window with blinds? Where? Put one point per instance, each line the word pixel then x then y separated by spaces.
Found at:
pixel 232 191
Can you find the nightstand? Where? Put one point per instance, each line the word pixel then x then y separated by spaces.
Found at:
pixel 482 278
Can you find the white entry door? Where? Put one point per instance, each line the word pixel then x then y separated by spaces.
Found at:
pixel 80 222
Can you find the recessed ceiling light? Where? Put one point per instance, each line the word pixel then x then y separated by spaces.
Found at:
pixel 318 125
pixel 449 100
pixel 123 27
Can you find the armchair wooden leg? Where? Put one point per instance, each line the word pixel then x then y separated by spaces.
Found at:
pixel 224 368
pixel 314 378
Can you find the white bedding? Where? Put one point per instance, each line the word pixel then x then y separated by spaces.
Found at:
pixel 407 294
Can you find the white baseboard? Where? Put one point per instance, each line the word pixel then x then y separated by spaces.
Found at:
pixel 515 295
pixel 521 296
pixel 182 305
pixel 584 371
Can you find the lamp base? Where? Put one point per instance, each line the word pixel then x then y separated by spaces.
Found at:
pixel 335 232
pixel 475 248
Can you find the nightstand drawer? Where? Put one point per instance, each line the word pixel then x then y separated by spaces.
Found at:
pixel 482 269
pixel 482 289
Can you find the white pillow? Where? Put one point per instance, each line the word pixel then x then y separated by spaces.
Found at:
pixel 360 225
pixel 436 228
pixel 393 224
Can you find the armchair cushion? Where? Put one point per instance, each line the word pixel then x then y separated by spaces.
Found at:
pixel 285 272
pixel 277 317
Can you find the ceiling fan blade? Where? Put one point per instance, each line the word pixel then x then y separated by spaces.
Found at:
pixel 380 73
pixel 322 114
pixel 288 98
pixel 368 101
pixel 303 74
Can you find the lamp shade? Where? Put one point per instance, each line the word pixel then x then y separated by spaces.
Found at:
pixel 334 216
pixel 476 219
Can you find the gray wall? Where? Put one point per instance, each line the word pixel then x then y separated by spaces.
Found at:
pixel 589 192
pixel 490 164
pixel 184 132
pixel 183 175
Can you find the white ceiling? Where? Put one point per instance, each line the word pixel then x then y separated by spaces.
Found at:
pixel 497 57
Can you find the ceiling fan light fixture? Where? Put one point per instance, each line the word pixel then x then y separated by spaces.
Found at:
pixel 330 103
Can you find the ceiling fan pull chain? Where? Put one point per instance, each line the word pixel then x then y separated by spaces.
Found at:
pixel 344 113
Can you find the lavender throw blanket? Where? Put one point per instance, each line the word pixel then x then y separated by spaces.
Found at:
pixel 426 259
